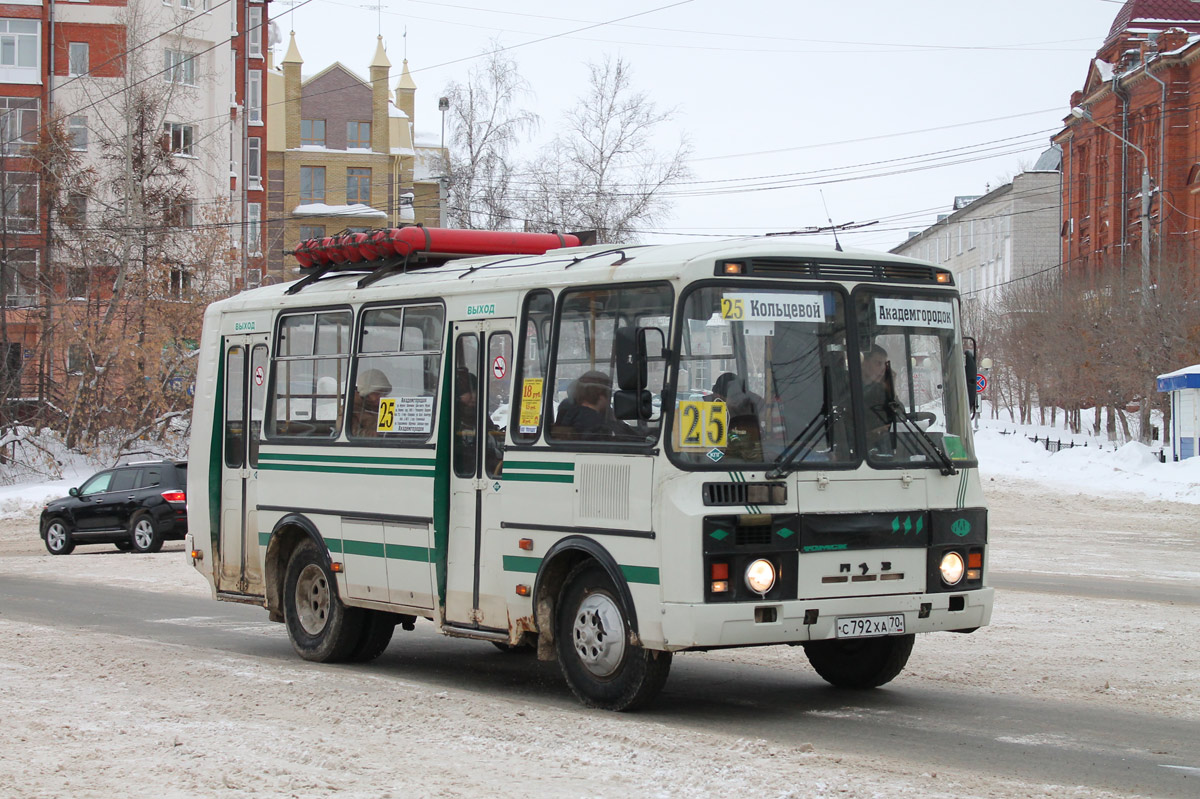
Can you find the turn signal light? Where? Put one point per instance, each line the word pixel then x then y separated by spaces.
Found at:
pixel 720 586
pixel 523 590
pixel 975 560
pixel 526 544
pixel 974 574
pixel 720 571
pixel 336 567
pixel 197 554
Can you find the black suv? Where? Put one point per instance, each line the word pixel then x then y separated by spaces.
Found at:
pixel 135 506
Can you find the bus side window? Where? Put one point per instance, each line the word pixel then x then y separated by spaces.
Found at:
pixel 399 357
pixel 584 363
pixel 235 407
pixel 312 362
pixel 528 396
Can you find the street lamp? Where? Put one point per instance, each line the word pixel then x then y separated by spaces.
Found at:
pixel 1082 113
pixel 443 106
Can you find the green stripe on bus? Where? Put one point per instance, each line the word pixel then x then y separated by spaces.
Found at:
pixel 640 574
pixel 406 552
pixel 536 478
pixel 333 544
pixel 522 563
pixel 550 466
pixel 335 469
pixel 275 456
pixel 370 549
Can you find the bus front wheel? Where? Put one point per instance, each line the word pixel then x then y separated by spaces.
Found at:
pixel 860 662
pixel 320 627
pixel 601 666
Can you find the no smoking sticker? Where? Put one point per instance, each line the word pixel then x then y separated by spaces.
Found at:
pixel 499 367
pixel 259 375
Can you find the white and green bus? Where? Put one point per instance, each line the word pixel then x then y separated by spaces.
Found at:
pixel 606 455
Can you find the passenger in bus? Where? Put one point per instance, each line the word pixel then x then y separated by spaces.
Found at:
pixel 372 386
pixel 588 418
pixel 879 394
pixel 466 399
pixel 745 410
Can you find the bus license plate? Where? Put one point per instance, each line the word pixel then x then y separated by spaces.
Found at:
pixel 867 626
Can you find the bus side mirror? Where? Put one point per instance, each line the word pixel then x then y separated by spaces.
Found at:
pixel 631 359
pixel 628 405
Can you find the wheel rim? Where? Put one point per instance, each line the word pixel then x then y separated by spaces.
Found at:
pixel 56 536
pixel 143 533
pixel 598 634
pixel 312 599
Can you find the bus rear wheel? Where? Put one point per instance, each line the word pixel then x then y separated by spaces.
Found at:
pixel 860 662
pixel 320 627
pixel 601 666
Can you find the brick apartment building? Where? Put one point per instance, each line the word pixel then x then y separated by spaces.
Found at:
pixel 70 60
pixel 1143 85
pixel 342 155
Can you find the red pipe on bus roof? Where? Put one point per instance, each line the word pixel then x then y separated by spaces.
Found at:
pixel 357 247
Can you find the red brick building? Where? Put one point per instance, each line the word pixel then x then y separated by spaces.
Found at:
pixel 1144 86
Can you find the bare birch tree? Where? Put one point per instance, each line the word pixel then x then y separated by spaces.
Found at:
pixel 603 173
pixel 486 124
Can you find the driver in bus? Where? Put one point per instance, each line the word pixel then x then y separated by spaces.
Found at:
pixel 878 393
pixel 372 386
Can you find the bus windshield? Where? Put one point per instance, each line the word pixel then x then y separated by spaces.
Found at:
pixel 763 375
pixel 914 378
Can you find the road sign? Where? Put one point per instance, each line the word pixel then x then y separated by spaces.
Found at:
pixel 980 384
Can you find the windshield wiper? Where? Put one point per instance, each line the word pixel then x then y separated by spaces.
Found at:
pixel 791 455
pixel 923 438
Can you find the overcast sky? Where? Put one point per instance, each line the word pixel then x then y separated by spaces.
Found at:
pixel 890 108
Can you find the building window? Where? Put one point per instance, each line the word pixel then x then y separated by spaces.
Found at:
pixel 75 359
pixel 254 28
pixel 312 232
pixel 18 124
pixel 254 159
pixel 312 184
pixel 254 96
pixel 19 201
pixel 77 59
pixel 77 282
pixel 19 43
pixel 254 228
pixel 312 133
pixel 179 67
pixel 179 283
pixel 358 186
pixel 182 137
pixel 178 213
pixel 75 212
pixel 77 129
pixel 20 278
pixel 358 135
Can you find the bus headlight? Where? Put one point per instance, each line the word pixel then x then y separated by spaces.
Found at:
pixel 952 568
pixel 760 576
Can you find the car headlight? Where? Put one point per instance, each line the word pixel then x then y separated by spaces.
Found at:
pixel 952 568
pixel 760 576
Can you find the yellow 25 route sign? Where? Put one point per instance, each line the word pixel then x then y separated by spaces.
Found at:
pixel 387 415
pixel 703 425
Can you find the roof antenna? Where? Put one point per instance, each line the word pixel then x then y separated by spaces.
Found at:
pixel 837 245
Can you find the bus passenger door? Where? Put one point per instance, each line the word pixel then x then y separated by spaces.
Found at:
pixel 482 359
pixel 239 570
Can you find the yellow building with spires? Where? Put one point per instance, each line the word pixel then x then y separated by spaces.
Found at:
pixel 342 155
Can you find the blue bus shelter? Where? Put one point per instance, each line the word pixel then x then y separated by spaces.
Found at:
pixel 1184 388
